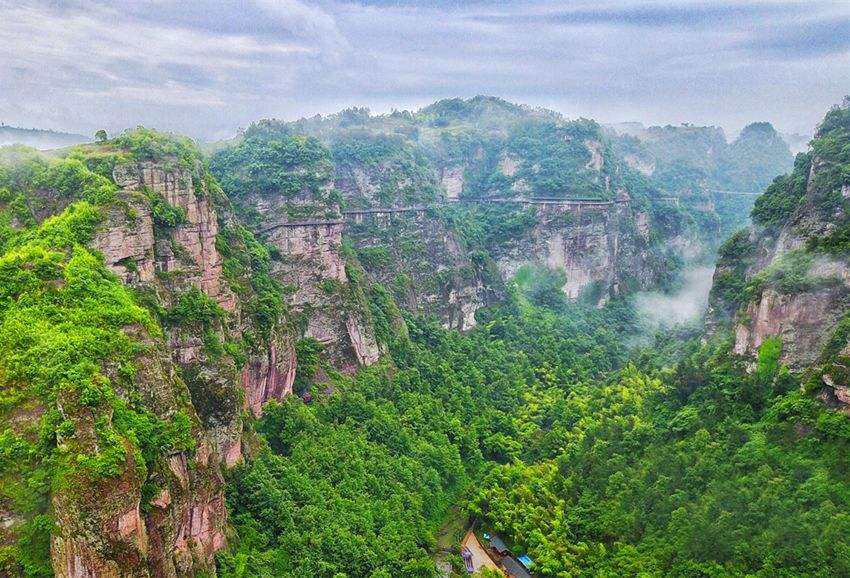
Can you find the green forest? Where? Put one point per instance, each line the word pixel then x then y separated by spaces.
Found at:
pixel 425 289
pixel 588 441
pixel 595 458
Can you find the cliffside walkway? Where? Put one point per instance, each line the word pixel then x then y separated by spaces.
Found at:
pixel 555 201
pixel 314 223
pixel 740 193
pixel 357 215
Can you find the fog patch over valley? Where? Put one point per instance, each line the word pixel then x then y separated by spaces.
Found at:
pixel 687 303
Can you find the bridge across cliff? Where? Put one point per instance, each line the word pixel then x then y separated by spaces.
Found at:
pixel 573 205
pixel 738 193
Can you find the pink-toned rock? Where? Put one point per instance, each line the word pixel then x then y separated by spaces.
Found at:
pixel 270 376
pixel 232 453
pixel 163 499
pixel 177 465
pixel 315 268
pixel 127 244
pixel 196 236
pixel 129 526
pixel 186 526
pixel 203 527
pixel 799 319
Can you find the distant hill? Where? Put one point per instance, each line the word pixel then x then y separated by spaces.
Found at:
pixel 39 138
pixel 692 163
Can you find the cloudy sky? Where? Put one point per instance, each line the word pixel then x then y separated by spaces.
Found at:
pixel 206 68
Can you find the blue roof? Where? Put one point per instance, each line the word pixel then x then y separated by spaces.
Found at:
pixel 525 561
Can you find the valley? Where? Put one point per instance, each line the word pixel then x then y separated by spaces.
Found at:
pixel 326 347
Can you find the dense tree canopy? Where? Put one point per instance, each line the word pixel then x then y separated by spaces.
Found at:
pixel 675 464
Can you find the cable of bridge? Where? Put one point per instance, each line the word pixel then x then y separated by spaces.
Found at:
pixel 743 193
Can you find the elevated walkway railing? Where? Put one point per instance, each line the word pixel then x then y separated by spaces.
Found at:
pixel 358 214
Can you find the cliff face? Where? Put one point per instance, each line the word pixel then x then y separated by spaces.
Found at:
pixel 145 403
pixel 603 248
pixel 269 374
pixel 606 243
pixel 415 192
pixel 392 221
pixel 188 249
pixel 169 522
pixel 801 320
pixel 374 171
pixel 283 186
pixel 788 276
pixel 168 260
pixel 178 528
pixel 603 243
pixel 311 264
pixel 424 262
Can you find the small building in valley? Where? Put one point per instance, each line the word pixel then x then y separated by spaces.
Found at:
pixel 497 545
pixel 514 569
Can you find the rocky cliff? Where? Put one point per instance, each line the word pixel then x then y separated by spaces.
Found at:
pixel 147 363
pixel 424 262
pixel 147 311
pixel 291 205
pixel 443 213
pixel 601 247
pixel 788 277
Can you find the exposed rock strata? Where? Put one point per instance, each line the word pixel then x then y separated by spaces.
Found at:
pixel 424 262
pixel 598 247
pixel 312 265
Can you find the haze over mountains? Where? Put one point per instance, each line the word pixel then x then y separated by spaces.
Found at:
pixel 230 362
pixel 280 297
pixel 214 67
pixel 45 139
pixel 42 139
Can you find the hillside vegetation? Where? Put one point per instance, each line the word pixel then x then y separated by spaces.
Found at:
pixel 229 366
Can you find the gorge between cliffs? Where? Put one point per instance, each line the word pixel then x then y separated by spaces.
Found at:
pixel 330 347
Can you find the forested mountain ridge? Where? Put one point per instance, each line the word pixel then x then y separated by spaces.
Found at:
pixel 697 165
pixel 487 148
pixel 126 357
pixel 723 455
pixel 385 176
pixel 787 274
pixel 251 365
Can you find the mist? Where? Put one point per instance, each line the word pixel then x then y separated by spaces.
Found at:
pixel 658 310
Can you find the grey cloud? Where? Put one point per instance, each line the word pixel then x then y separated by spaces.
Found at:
pixel 805 40
pixel 207 67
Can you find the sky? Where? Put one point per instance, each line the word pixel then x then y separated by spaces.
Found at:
pixel 207 68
